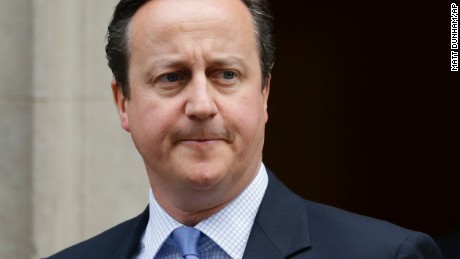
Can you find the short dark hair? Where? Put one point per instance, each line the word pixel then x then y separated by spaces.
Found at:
pixel 118 38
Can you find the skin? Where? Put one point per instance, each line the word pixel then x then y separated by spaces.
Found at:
pixel 197 111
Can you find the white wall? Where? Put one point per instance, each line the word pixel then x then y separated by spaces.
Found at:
pixel 15 129
pixel 68 170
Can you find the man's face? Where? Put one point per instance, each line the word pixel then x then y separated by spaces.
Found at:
pixel 197 110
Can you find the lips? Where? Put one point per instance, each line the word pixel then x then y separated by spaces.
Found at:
pixel 200 144
pixel 202 140
pixel 202 135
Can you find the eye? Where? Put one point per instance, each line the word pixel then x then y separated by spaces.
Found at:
pixel 170 78
pixel 228 75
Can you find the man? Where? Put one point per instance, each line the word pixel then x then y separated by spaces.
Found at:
pixel 192 79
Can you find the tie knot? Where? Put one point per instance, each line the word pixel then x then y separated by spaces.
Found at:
pixel 187 240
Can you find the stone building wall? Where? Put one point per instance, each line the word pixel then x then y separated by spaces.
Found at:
pixel 67 169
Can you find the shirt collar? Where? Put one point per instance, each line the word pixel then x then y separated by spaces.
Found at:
pixel 229 228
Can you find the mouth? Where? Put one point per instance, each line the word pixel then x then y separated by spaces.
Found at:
pixel 200 143
pixel 199 136
pixel 200 140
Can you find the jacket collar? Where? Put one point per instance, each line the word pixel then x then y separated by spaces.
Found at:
pixel 130 245
pixel 280 228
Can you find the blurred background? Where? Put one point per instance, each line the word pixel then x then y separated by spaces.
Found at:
pixel 364 115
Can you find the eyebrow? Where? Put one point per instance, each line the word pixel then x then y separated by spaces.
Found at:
pixel 229 60
pixel 178 62
pixel 166 62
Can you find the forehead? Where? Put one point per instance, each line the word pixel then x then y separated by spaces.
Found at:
pixel 164 19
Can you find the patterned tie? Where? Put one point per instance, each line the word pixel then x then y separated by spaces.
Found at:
pixel 187 240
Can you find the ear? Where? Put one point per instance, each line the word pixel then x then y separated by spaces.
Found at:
pixel 121 103
pixel 265 93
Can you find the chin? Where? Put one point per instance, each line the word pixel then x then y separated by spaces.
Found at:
pixel 204 176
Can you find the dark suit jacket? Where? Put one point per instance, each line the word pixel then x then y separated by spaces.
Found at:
pixel 286 226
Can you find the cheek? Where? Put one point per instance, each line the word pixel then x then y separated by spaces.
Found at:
pixel 247 117
pixel 149 126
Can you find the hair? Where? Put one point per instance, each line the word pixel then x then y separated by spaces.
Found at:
pixel 118 38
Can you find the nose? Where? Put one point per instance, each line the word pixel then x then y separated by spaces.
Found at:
pixel 200 103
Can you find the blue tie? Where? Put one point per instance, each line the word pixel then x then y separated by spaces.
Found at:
pixel 187 240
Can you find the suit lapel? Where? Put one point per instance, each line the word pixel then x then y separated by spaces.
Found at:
pixel 279 231
pixel 280 228
pixel 130 245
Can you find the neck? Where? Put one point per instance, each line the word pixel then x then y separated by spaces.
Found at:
pixel 189 218
pixel 196 206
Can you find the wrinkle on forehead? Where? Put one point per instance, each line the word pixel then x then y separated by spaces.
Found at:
pixel 193 15
pixel 193 32
pixel 194 25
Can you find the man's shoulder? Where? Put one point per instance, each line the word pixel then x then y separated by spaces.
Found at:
pixel 337 218
pixel 323 231
pixel 116 241
pixel 343 229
